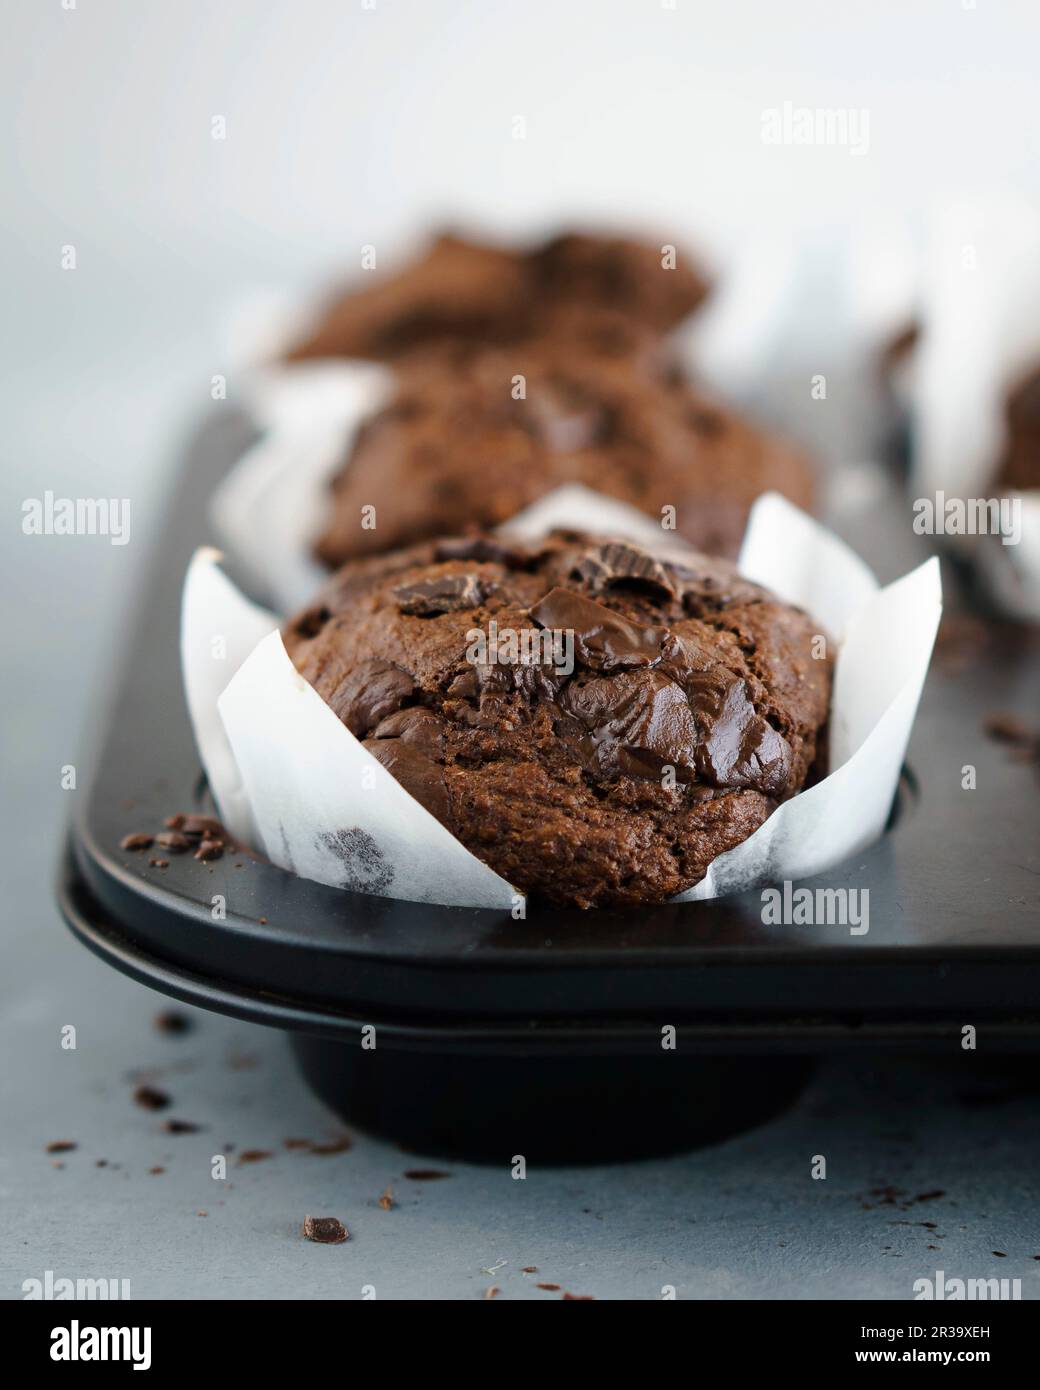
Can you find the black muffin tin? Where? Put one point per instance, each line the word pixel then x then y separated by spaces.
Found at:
pixel 544 1037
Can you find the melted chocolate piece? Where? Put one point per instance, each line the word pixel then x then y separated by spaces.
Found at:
pixel 368 693
pixel 603 640
pixel 409 744
pixel 738 748
pixel 620 565
pixel 638 722
pixel 446 593
pixel 486 550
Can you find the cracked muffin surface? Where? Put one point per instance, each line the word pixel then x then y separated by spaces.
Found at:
pixel 594 723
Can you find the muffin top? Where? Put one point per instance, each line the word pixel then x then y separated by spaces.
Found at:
pixel 472 292
pixel 594 723
pixel 473 439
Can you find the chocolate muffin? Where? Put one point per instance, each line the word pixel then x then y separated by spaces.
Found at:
pixel 470 292
pixel 1020 466
pixel 594 723
pixel 474 441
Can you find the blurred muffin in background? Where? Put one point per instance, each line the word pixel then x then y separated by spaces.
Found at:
pixel 476 293
pixel 469 441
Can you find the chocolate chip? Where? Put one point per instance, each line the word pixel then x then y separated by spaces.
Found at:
pixel 139 840
pixel 620 565
pixel 325 1230
pixel 447 593
pixel 603 640
pixel 151 1098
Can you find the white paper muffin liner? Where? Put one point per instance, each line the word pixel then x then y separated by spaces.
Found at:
pixel 289 777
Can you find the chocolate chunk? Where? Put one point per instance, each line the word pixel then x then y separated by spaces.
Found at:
pixel 151 1098
pixel 638 722
pixel 446 593
pixel 139 840
pixel 325 1230
pixel 603 640
pixel 416 771
pixel 368 693
pixel 738 748
pixel 619 565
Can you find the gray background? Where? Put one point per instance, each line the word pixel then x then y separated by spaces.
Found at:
pixel 349 126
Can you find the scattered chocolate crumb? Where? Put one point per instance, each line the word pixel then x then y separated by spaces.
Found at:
pixel 174 822
pixel 157 1169
pixel 1001 1254
pixel 492 1292
pixel 339 1145
pixel 1008 728
pixel 529 1269
pixel 325 1230
pixel 254 1155
pixel 297 1143
pixel 101 1163
pixel 386 1201
pixel 552 1288
pixel 138 840
pixel 210 849
pixel 202 1213
pixel 170 1021
pixel 580 1297
pixel 173 840
pixel 929 1196
pixel 181 1127
pixel 425 1174
pixel 263 921
pixel 159 863
pixel 151 1098
pixel 61 1146
pixel 57 1163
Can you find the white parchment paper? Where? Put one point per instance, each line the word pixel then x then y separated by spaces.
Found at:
pixel 286 772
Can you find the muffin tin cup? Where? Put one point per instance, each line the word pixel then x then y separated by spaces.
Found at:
pixel 488 1030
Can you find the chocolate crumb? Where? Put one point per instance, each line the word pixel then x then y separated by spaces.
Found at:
pixel 173 840
pixel 174 822
pixel 552 1288
pixel 492 1292
pixel 210 849
pixel 1008 728
pixel 334 1146
pixel 1000 1254
pixel 157 1169
pixel 425 1174
pixel 170 1021
pixel 159 863
pixel 61 1146
pixel 580 1297
pixel 325 1230
pixel 254 1155
pixel 386 1200
pixel 202 1213
pixel 151 1098
pixel 529 1269
pixel 138 840
pixel 181 1127
pixel 297 1143
pixel 263 921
